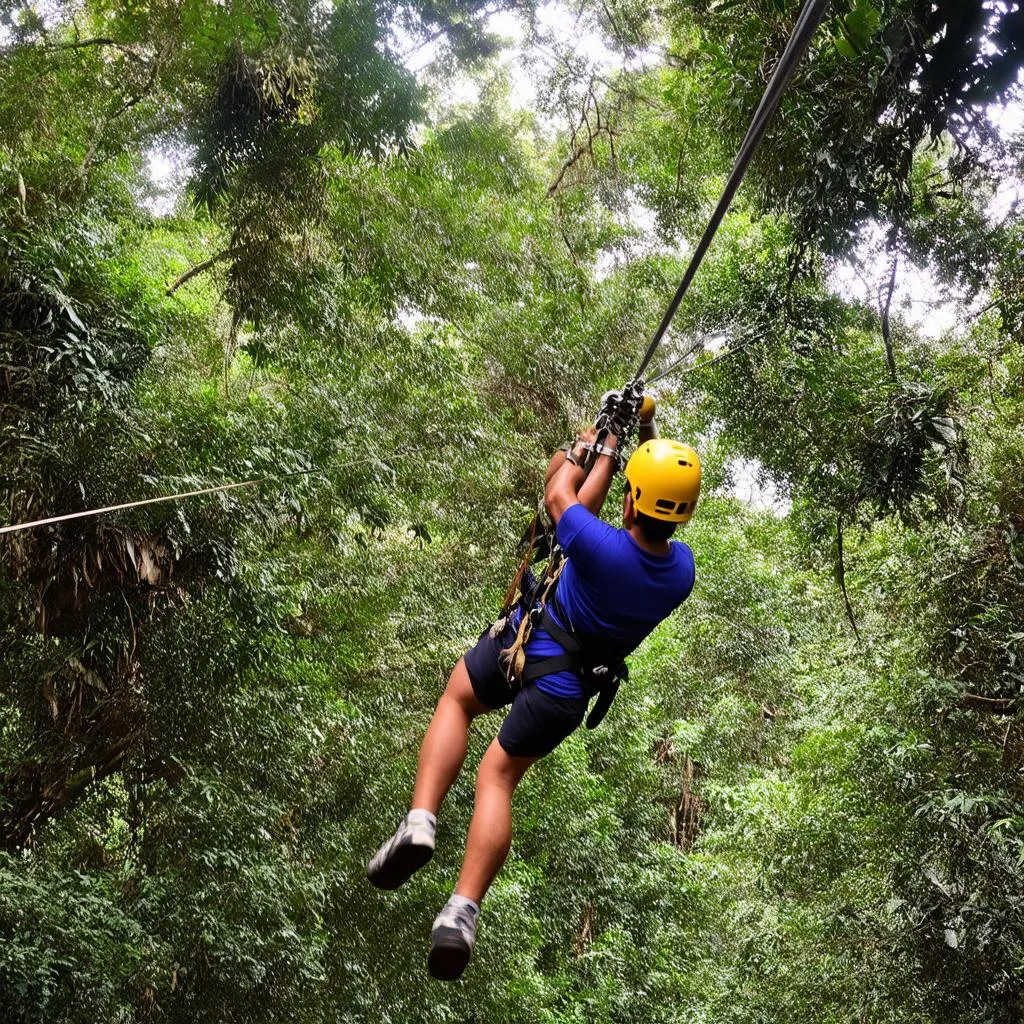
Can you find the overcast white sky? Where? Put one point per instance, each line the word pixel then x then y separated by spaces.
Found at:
pixel 917 297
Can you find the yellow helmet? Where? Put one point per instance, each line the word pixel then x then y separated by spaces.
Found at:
pixel 664 479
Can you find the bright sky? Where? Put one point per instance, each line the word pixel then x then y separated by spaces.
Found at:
pixel 557 29
pixel 917 298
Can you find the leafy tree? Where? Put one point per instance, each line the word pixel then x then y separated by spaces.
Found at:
pixel 386 313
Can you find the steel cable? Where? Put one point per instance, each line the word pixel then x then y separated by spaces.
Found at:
pixel 806 25
pixel 15 527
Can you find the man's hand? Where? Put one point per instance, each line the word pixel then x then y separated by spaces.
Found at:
pixel 571 483
pixel 581 445
pixel 586 436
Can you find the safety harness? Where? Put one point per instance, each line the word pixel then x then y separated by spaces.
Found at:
pixel 600 667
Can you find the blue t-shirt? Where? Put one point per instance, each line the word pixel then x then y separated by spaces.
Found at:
pixel 610 589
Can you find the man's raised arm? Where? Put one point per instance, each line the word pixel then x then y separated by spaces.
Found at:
pixel 569 483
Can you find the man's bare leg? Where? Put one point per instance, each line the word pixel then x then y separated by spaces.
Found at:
pixel 490 831
pixel 441 755
pixel 490 837
pixel 444 746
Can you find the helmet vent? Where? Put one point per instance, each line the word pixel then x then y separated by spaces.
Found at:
pixel 683 462
pixel 664 505
pixel 683 505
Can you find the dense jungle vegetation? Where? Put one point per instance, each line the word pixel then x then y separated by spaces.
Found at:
pixel 389 301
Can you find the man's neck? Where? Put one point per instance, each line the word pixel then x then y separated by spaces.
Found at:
pixel 660 548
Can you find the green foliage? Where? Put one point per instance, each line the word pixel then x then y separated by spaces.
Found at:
pixel 805 805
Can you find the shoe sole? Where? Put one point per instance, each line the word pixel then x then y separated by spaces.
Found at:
pixel 403 863
pixel 447 961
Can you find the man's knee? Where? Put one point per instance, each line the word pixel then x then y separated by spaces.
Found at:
pixel 499 768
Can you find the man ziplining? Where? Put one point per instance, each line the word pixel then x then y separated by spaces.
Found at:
pixel 614 587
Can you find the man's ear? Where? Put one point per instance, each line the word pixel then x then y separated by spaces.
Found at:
pixel 628 509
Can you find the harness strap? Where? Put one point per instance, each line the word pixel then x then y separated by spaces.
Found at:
pixel 514 657
pixel 606 694
pixel 602 679
pixel 549 666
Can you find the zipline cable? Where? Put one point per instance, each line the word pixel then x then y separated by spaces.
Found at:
pixel 15 527
pixel 693 367
pixel 806 25
pixel 752 333
pixel 693 350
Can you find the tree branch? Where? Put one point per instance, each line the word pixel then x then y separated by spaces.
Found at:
pixel 600 127
pixel 48 797
pixel 993 705
pixel 630 94
pixel 200 268
pixel 573 157
pixel 841 576
pixel 81 43
pixel 615 25
pixel 120 112
pixel 890 357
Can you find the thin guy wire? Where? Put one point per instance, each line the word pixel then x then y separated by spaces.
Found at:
pixel 15 527
pixel 675 367
pixel 806 25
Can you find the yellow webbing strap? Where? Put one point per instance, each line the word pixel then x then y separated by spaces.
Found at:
pixel 514 657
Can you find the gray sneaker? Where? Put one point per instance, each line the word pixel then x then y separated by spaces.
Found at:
pixel 402 855
pixel 452 940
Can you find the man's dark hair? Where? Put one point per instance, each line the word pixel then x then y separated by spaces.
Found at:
pixel 655 531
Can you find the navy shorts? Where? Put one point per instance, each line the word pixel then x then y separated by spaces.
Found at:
pixel 538 721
